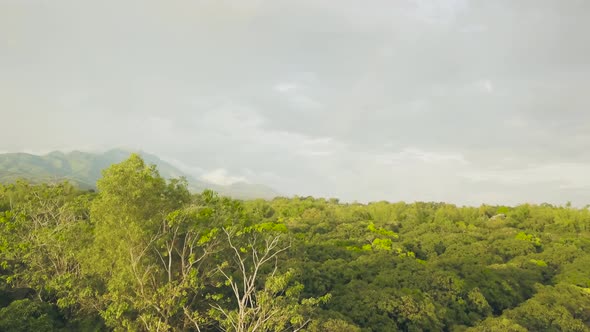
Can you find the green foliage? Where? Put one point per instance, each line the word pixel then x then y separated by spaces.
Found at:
pixel 497 324
pixel 26 315
pixel 333 325
pixel 143 254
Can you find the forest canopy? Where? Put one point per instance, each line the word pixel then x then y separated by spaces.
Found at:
pixel 144 254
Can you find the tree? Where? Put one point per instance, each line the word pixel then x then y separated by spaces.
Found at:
pixel 43 233
pixel 131 215
pixel 499 324
pixel 26 315
pixel 261 303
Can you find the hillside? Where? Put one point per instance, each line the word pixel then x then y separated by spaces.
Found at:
pixel 84 168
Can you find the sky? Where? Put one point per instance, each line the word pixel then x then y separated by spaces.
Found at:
pixel 460 101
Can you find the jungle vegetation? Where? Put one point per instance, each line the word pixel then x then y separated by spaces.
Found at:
pixel 141 253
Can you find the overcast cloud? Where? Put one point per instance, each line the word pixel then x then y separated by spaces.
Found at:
pixel 457 100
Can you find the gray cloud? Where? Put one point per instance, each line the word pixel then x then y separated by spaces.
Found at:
pixel 462 101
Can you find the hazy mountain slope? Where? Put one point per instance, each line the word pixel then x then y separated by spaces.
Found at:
pixel 83 169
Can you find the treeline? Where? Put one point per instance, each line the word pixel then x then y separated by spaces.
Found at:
pixel 143 254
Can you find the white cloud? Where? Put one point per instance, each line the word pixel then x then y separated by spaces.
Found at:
pixel 285 87
pixel 189 169
pixel 158 124
pixel 568 175
pixel 317 147
pixel 220 176
pixel 485 86
pixel 294 93
pixel 516 121
pixel 301 101
pixel 438 12
pixel 319 89
pixel 412 155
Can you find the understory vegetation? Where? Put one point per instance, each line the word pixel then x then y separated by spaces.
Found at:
pixel 143 254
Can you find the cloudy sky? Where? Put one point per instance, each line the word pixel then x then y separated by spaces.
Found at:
pixel 445 100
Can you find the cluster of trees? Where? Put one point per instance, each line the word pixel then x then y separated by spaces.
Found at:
pixel 143 254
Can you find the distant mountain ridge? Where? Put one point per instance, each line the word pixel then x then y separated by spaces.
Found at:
pixel 84 169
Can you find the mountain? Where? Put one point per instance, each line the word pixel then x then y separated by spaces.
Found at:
pixel 84 168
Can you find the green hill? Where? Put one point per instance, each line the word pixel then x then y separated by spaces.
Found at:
pixel 84 168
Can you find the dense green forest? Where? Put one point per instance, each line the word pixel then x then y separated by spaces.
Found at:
pixel 144 254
